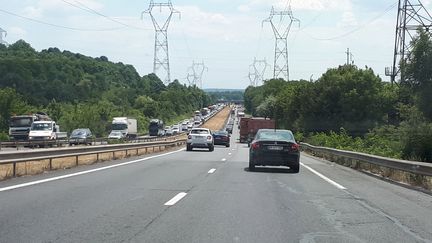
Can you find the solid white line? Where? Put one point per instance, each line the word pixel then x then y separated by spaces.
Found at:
pixel 211 171
pixel 324 177
pixel 82 172
pixel 175 199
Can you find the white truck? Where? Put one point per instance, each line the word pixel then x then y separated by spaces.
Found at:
pixel 45 133
pixel 127 126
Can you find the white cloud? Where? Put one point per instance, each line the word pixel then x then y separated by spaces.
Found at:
pixel 38 9
pixel 318 5
pixel 17 32
pixel 348 20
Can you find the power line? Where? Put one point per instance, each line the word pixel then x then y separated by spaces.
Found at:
pixel 92 11
pixel 387 10
pixel 56 25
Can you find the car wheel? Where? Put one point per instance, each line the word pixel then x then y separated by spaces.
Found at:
pixel 227 145
pixel 295 168
pixel 211 148
pixel 251 165
pixel 188 148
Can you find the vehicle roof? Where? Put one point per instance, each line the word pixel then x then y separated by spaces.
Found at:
pixel 43 122
pixel 200 128
pixel 274 130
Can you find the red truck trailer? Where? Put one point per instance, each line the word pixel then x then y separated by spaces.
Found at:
pixel 250 126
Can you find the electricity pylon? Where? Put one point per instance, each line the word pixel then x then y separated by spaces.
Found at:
pixel 257 71
pixel 161 64
pixel 196 73
pixel 412 16
pixel 3 32
pixel 281 32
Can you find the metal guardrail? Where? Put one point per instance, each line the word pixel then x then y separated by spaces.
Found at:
pixel 419 168
pixel 61 142
pixel 85 151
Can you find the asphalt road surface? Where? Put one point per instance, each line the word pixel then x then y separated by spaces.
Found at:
pixel 205 196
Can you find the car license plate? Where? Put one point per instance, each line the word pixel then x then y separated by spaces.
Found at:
pixel 276 148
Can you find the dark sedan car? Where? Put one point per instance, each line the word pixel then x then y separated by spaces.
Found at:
pixel 275 148
pixel 221 138
pixel 80 136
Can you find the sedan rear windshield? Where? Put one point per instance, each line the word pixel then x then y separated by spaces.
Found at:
pixel 199 132
pixel 275 135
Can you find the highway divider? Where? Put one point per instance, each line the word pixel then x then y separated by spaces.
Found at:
pixel 37 162
pixel 418 174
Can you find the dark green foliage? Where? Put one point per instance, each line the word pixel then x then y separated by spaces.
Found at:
pixel 80 91
pixel 226 95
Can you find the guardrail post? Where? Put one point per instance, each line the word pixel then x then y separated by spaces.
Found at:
pixel 50 163
pixel 76 161
pixel 14 169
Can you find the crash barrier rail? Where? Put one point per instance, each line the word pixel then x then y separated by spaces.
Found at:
pixel 37 162
pixel 61 142
pixel 411 172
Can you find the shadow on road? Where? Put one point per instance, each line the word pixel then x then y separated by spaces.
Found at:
pixel 270 170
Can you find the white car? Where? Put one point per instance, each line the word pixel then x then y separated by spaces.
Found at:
pixel 116 135
pixel 200 138
pixel 175 129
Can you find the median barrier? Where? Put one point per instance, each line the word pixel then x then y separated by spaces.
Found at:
pixel 418 174
pixel 65 159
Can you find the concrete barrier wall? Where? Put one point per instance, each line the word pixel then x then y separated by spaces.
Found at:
pixel 416 175
pixel 38 166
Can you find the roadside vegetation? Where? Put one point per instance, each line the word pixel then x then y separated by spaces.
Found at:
pixel 351 108
pixel 80 91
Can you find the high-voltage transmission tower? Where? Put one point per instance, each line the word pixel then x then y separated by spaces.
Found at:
pixel 161 64
pixel 412 16
pixel 195 74
pixel 3 33
pixel 257 71
pixel 281 31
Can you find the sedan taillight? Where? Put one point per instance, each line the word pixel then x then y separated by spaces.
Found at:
pixel 255 146
pixel 190 137
pixel 295 147
pixel 209 137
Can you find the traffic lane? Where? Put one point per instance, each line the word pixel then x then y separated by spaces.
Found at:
pixel 408 208
pixel 271 205
pixel 110 205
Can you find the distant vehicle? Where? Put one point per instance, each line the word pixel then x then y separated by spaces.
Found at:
pixel 45 131
pixel 189 126
pixel 250 126
pixel 184 127
pixel 275 148
pixel 127 126
pixel 200 138
pixel 115 135
pixel 205 111
pixel 168 131
pixel 80 136
pixel 221 138
pixel 19 126
pixel 175 129
pixel 229 128
pixel 197 113
pixel 156 128
pixel 241 114
pixel 197 123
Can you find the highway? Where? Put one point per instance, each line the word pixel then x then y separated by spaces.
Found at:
pixel 203 196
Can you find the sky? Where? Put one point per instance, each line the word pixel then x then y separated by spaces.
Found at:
pixel 224 34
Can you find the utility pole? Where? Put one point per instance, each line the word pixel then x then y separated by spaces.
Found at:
pixel 161 64
pixel 3 32
pixel 281 32
pixel 257 71
pixel 196 73
pixel 412 16
pixel 350 57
